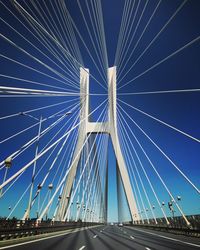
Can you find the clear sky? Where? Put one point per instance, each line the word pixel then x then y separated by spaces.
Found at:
pixel 180 110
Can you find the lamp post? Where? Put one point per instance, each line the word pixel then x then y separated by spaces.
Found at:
pixel 34 169
pixel 27 214
pixel 170 205
pixel 50 187
pixel 163 205
pixel 179 201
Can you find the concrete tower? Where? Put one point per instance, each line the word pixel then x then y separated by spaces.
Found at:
pixel 109 127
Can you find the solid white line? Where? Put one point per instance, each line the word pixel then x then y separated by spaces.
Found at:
pixel 82 248
pixel 49 237
pixel 168 238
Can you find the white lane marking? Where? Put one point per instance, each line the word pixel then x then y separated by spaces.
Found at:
pixel 132 237
pixel 82 248
pixel 101 231
pixel 147 248
pixel 95 236
pixel 168 238
pixel 49 237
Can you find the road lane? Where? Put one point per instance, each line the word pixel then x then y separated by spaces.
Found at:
pixel 165 234
pixel 114 238
pixel 69 240
pixel 165 239
pixel 107 241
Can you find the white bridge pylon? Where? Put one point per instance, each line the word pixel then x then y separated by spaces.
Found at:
pixel 109 127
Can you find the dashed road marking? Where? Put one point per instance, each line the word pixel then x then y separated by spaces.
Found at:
pixel 147 248
pixel 95 236
pixel 82 248
pixel 132 237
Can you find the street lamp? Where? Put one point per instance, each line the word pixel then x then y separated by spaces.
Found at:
pixel 50 187
pixel 179 201
pixel 163 205
pixel 8 164
pixel 170 205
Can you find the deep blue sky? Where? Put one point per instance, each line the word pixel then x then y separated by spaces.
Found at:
pixel 179 109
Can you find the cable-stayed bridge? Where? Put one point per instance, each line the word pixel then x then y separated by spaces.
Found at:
pixel 99 123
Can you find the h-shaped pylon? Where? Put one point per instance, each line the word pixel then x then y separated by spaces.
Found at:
pixel 109 127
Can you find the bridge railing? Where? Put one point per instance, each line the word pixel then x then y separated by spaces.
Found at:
pixel 175 222
pixel 16 228
pixel 177 225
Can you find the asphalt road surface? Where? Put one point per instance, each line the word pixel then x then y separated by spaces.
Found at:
pixel 112 238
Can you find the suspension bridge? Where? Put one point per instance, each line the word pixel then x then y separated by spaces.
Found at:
pixel 99 124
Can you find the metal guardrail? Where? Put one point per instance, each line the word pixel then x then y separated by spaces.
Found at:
pixel 175 222
pixel 18 229
pixel 181 231
pixel 177 225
